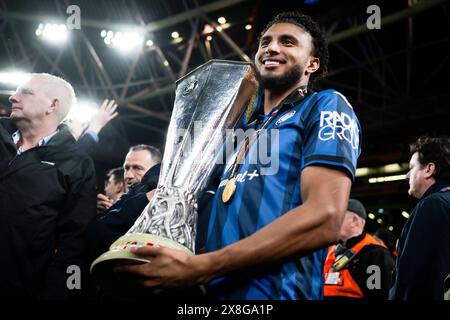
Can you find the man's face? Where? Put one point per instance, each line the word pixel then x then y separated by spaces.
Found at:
pixel 416 177
pixel 111 187
pixel 136 164
pixel 283 55
pixel 29 102
pixel 348 225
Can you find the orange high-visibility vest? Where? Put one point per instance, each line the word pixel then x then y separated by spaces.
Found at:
pixel 341 283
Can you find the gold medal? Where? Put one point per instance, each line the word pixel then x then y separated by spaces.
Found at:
pixel 229 190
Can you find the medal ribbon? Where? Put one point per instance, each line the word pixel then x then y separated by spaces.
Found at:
pixel 245 147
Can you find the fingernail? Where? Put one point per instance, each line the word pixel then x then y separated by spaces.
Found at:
pixel 134 247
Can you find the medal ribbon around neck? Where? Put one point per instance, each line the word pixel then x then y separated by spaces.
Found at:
pixel 230 187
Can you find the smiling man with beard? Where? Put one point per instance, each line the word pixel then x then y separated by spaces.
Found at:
pixel 268 228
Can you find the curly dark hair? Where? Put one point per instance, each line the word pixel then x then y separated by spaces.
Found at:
pixel 435 150
pixel 312 27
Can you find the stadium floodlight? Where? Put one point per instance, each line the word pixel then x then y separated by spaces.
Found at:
pixel 176 38
pixel 387 178
pixel 207 29
pixel 123 41
pixel 222 20
pixel 52 32
pixel 13 78
pixel 83 111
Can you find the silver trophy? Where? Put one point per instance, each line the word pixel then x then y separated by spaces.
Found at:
pixel 209 100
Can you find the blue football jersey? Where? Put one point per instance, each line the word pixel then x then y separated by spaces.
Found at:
pixel 321 129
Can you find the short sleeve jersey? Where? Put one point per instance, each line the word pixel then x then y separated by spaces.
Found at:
pixel 319 129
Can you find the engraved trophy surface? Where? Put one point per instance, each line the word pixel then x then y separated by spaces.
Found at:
pixel 208 101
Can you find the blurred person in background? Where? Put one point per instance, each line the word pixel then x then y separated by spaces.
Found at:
pixel 388 239
pixel 86 133
pixel 359 267
pixel 115 184
pixel 138 161
pixel 423 260
pixel 47 194
pixel 141 173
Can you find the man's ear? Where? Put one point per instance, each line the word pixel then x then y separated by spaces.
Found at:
pixel 354 219
pixel 313 65
pixel 430 170
pixel 54 106
pixel 120 187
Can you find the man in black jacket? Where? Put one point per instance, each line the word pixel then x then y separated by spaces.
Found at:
pixel 424 246
pixel 47 194
pixel 139 160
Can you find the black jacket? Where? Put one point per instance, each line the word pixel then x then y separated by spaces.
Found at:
pixel 47 198
pixel 424 248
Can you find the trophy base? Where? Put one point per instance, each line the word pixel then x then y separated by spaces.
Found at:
pixel 119 284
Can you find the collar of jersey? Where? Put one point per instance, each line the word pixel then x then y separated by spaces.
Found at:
pixel 289 102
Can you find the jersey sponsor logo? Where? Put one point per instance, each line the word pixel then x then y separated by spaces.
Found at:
pixel 242 177
pixel 285 117
pixel 338 125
